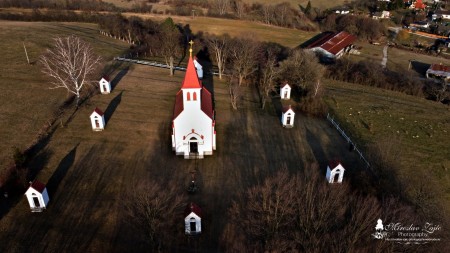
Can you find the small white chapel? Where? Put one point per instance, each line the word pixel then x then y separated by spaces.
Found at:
pixel 193 125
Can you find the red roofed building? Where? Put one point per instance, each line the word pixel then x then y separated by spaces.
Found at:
pixel 97 120
pixel 37 196
pixel 335 172
pixel 332 45
pixel 439 71
pixel 193 125
pixel 193 219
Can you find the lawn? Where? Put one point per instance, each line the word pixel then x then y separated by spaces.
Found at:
pixel 421 127
pixel 25 100
pixel 90 171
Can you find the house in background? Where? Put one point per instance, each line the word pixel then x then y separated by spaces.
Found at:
pixel 329 45
pixel 441 14
pixel 192 220
pixel 381 15
pixel 97 120
pixel 335 172
pixel 285 91
pixel 37 196
pixel 105 85
pixel 287 117
pixel 439 72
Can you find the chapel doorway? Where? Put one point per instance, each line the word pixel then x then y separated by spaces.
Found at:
pixel 193 145
pixel 193 225
pixel 36 202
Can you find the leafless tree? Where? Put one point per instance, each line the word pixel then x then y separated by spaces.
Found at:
pixel 220 46
pixel 269 72
pixel 170 42
pixel 439 90
pixel 234 90
pixel 222 6
pixel 302 69
pixel 156 209
pixel 70 63
pixel 243 53
pixel 239 8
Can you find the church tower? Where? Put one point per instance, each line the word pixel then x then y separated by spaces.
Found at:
pixel 193 132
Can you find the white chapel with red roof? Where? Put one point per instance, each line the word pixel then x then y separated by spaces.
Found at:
pixel 193 132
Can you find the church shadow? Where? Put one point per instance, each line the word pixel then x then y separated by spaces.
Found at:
pixel 112 107
pixel 118 77
pixel 61 171
pixel 208 78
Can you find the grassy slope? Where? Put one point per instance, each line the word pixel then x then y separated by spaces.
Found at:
pixel 25 101
pixel 421 126
pixel 284 36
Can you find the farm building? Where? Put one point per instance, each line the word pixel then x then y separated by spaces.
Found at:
pixel 97 120
pixel 285 91
pixel 331 45
pixel 439 71
pixel 335 172
pixel 37 196
pixel 193 125
pixel 381 15
pixel 105 85
pixel 193 220
pixel 287 117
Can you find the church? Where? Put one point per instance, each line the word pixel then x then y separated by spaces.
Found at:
pixel 193 133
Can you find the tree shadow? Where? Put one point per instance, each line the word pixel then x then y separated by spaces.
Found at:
pixel 420 67
pixel 112 107
pixel 61 171
pixel 119 77
pixel 276 101
pixel 317 150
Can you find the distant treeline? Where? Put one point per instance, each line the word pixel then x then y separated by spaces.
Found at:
pixel 53 15
pixel 88 5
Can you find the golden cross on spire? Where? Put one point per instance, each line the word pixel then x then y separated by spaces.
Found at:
pixel 190 49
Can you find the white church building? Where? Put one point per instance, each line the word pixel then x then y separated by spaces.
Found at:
pixel 192 220
pixel 335 172
pixel 193 132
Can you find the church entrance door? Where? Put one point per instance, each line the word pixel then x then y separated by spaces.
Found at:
pixel 193 145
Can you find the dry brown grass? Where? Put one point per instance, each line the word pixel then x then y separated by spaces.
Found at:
pixel 26 101
pixel 98 167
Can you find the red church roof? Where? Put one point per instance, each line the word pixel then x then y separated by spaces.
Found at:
pixel 207 106
pixel 178 104
pixel 334 163
pixel 38 186
pixel 287 108
pixel 98 111
pixel 193 208
pixel 191 78
pixel 106 78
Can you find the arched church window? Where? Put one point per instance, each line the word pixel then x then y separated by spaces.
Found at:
pixel 188 96
pixel 195 96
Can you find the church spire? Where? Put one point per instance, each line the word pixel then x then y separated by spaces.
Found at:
pixel 191 79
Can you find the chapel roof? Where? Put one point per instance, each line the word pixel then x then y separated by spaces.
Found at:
pixel 38 186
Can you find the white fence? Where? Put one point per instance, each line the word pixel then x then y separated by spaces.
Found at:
pixel 341 131
pixel 153 64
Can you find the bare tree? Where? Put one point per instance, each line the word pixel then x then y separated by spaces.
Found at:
pixel 70 63
pixel 170 42
pixel 239 8
pixel 222 6
pixel 234 90
pixel 269 72
pixel 154 208
pixel 220 47
pixel 243 54
pixel 302 69
pixel 439 90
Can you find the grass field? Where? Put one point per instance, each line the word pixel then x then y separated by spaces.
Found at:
pixel 25 100
pixel 422 128
pixel 98 167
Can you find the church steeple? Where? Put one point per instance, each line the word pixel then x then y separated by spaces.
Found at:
pixel 191 79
